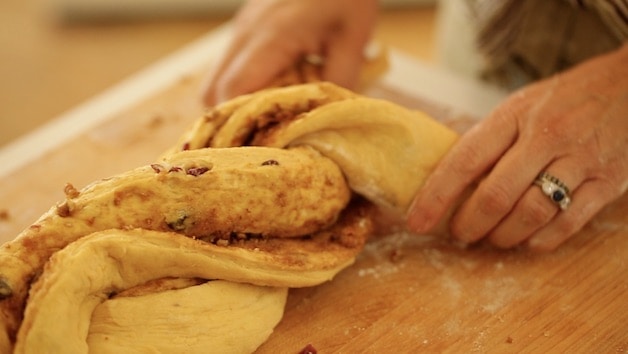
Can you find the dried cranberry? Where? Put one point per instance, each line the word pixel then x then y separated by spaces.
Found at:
pixel 197 171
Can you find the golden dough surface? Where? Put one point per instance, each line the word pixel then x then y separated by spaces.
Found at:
pixel 268 191
pixel 385 151
pixel 70 288
pixel 179 320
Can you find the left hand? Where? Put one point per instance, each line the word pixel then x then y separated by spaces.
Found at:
pixel 574 126
pixel 270 36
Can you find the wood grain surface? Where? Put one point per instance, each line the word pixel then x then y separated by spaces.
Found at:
pixel 405 293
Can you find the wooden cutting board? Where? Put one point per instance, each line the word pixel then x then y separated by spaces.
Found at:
pixel 405 293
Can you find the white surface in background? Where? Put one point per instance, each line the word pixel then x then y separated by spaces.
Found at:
pixel 111 9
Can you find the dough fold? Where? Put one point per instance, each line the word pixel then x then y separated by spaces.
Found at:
pixel 386 151
pixel 269 191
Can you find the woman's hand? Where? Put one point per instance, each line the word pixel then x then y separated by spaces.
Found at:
pixel 272 35
pixel 574 126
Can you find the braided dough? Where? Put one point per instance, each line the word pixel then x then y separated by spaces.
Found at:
pixel 268 191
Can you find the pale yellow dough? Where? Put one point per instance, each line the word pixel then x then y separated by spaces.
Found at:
pixel 386 151
pixel 398 147
pixel 257 197
pixel 81 276
pixel 191 320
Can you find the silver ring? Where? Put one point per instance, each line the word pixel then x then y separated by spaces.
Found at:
pixel 555 189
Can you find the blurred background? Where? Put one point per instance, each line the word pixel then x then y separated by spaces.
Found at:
pixel 56 54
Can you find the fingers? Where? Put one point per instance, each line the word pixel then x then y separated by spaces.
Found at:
pixel 248 66
pixel 507 208
pixel 588 200
pixel 534 210
pixel 268 36
pixel 497 194
pixel 474 154
pixel 345 49
pixel 342 63
pixel 271 36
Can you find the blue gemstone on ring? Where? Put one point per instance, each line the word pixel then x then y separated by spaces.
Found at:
pixel 558 195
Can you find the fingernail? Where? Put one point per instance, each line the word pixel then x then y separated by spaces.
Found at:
pixel 539 244
pixel 417 222
pixel 463 234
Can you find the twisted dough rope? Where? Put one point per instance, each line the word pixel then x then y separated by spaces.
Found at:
pixel 276 217
pixel 385 151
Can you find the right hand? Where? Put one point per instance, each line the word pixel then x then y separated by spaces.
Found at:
pixel 270 36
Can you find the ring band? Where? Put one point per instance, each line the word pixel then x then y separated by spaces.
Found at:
pixel 555 189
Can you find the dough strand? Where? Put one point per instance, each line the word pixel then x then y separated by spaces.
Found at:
pixel 269 191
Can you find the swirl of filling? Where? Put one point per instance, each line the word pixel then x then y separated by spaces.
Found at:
pixel 268 191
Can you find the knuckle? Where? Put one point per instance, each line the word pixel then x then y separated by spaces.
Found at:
pixel 467 159
pixel 537 212
pixel 559 130
pixel 566 229
pixel 503 241
pixel 463 232
pixel 553 136
pixel 556 131
pixel 568 226
pixel 494 198
pixel 545 247
pixel 613 176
